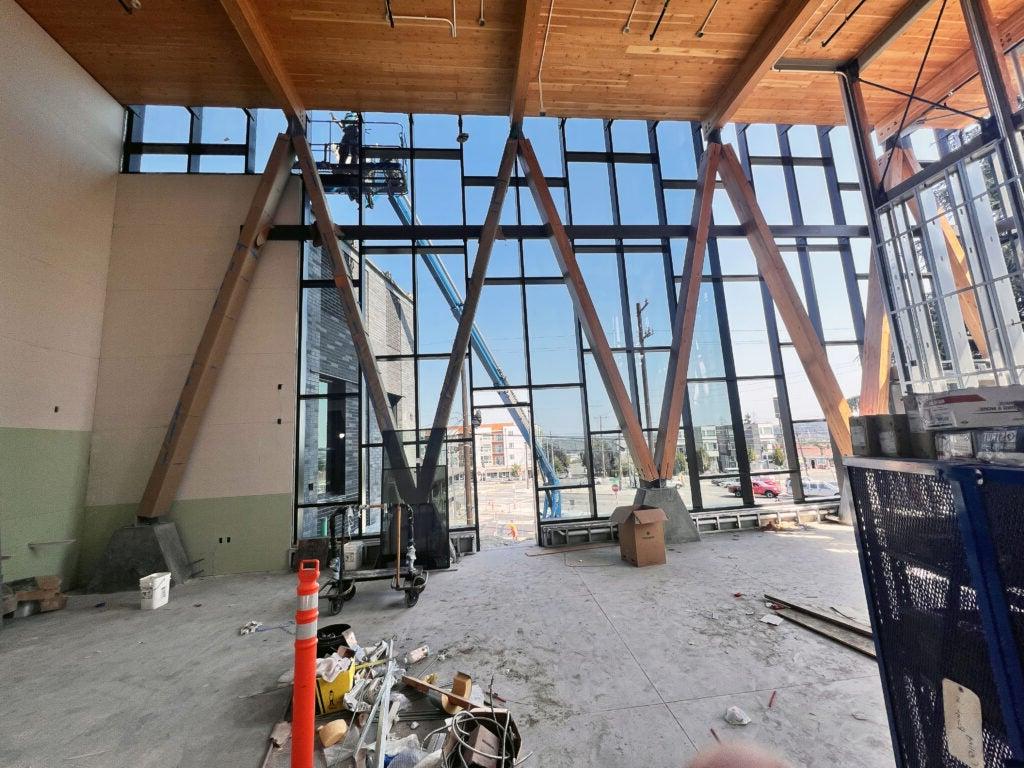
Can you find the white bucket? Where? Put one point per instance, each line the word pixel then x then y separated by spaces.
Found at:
pixel 155 590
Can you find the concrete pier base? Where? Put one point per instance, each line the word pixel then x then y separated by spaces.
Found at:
pixel 679 527
pixel 139 550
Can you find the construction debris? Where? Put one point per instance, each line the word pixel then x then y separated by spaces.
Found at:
pixel 249 627
pixel 771 618
pixel 373 724
pixel 736 716
pixel 38 594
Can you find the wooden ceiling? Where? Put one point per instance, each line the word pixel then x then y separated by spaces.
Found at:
pixel 343 54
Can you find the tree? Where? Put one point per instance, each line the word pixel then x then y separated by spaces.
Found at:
pixel 705 459
pixel 778 457
pixel 751 456
pixel 516 470
pixel 680 463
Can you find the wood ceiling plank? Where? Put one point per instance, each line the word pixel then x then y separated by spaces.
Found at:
pixel 780 33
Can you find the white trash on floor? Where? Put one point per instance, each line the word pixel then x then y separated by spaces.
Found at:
pixel 155 590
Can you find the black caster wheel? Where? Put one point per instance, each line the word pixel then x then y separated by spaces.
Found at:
pixel 411 598
pixel 348 590
pixel 336 604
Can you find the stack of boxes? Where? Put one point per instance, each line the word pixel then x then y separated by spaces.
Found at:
pixel 983 423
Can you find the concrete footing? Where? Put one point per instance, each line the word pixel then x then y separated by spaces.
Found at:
pixel 679 527
pixel 139 550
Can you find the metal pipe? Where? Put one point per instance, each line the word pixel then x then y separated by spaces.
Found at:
pixel 821 21
pixel 704 24
pixel 625 27
pixel 837 30
pixel 452 22
pixel 660 17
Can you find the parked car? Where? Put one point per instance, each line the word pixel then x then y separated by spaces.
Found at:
pixel 763 486
pixel 819 488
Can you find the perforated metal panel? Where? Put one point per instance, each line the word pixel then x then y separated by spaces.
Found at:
pixel 1003 497
pixel 924 612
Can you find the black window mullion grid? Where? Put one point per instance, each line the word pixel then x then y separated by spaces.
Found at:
pixel 797 215
pixel 771 324
pixel 728 361
pixel 195 137
pixel 250 140
pixel 839 217
pixel 620 260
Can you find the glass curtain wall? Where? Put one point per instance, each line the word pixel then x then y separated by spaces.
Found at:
pixel 532 439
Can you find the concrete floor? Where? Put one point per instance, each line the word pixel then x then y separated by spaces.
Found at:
pixel 606 665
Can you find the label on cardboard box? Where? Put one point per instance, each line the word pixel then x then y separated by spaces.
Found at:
pixel 974 407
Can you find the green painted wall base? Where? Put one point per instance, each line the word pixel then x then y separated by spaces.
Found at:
pixel 237 534
pixel 43 476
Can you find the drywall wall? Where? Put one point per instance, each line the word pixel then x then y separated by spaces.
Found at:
pixel 172 239
pixel 61 139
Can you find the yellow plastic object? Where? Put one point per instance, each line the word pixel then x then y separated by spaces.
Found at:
pixel 329 696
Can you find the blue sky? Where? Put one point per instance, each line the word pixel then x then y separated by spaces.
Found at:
pixel 437 199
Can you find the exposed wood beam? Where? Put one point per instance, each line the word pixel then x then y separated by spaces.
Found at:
pixel 950 79
pixel 686 314
pixel 246 20
pixel 586 313
pixel 165 477
pixel 524 72
pixel 787 301
pixel 781 31
pixel 464 332
pixel 353 316
pixel 910 13
pixel 876 351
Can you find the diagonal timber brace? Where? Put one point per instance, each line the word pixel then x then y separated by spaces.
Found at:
pixel 169 468
pixel 686 314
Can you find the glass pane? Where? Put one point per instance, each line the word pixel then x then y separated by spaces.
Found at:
pixel 499 323
pixel 712 427
pixel 813 192
pixel 645 275
pixel 635 183
pixel 591 195
pixel 552 329
pixel 675 150
pixel 504 474
pixel 803 404
pixel 559 436
pixel 481 152
pixel 566 503
pixel 770 187
pixel 329 352
pixel 440 284
pixel 720 492
pixel 762 430
pixel 435 131
pixel 814 451
pixel 833 299
pixel 706 359
pixel 771 489
pixel 584 134
pixel 329 444
pixel 223 125
pixel 601 275
pixel 602 417
pixel 747 327
pixel 763 140
pixel 169 125
pixel 544 136
pixel 630 136
pixel 438 188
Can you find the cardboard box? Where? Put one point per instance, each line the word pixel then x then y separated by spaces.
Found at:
pixel 641 534
pixel 864 436
pixel 954 445
pixel 894 435
pixel 974 407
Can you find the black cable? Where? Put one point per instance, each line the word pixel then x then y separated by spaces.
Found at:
pixel 660 17
pixel 391 18
pixel 913 90
pixel 842 24
pixel 936 104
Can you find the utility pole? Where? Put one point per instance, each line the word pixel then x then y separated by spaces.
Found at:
pixel 643 334
pixel 600 428
pixel 467 448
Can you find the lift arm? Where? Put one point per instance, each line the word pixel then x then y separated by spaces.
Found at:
pixel 552 504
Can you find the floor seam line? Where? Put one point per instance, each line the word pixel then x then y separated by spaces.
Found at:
pixel 769 690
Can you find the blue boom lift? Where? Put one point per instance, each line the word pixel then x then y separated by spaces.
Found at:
pixel 385 176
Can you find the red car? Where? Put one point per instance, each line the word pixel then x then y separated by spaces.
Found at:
pixel 763 486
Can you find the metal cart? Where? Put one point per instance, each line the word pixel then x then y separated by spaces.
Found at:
pixel 410 579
